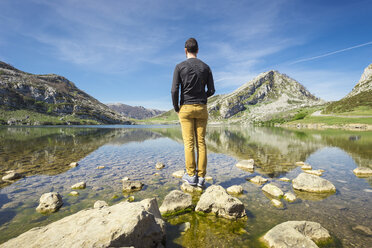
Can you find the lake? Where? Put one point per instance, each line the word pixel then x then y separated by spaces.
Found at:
pixel 43 155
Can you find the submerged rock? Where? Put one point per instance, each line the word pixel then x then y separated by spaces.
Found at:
pixel 247 165
pixel 100 167
pixel 159 166
pixel 311 183
pixel 74 193
pixel 80 185
pixel 131 186
pixel 273 190
pixel 306 167
pixel 176 200
pixel 314 172
pixel 258 180
pixel 74 164
pixel 216 200
pixel 184 227
pixel 208 178
pixel 276 203
pixel 362 230
pixel 125 224
pixel 296 234
pixel 289 197
pixel 49 202
pixel 284 179
pixel 362 172
pixel 11 175
pixel 300 163
pixel 100 204
pixel 178 174
pixel 185 187
pixel 235 190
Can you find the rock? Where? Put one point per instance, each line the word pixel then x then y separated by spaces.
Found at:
pixel 235 190
pixel 12 175
pixel 360 171
pixel 300 163
pixel 125 179
pixel 74 193
pixel 258 180
pixel 247 165
pixel 80 185
pixel 296 234
pixel 125 224
pixel 176 200
pixel 208 178
pixel 184 227
pixel 276 203
pixel 130 186
pixel 284 179
pixel 100 167
pixel 178 174
pixel 362 230
pixel 100 204
pixel 49 202
pixel 289 197
pixel 130 199
pixel 272 190
pixel 314 172
pixel 216 200
pixel 306 167
pixel 156 174
pixel 74 164
pixel 159 166
pixel 185 187
pixel 311 183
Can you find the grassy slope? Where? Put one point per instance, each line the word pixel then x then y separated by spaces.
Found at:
pixel 359 103
pixel 332 120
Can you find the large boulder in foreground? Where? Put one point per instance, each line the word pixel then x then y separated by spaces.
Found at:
pixel 296 234
pixel 216 200
pixel 311 183
pixel 49 203
pixel 137 224
pixel 176 200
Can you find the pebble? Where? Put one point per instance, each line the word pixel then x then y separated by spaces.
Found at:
pixel 74 193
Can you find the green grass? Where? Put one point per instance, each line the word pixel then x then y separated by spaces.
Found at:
pixel 331 120
pixel 165 118
pixel 362 100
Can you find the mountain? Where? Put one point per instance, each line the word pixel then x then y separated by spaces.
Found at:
pixel 51 97
pixel 136 112
pixel 359 100
pixel 262 98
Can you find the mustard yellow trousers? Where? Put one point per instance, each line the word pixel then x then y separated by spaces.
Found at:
pixel 193 119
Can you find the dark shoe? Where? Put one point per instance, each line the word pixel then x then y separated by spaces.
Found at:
pixel 190 180
pixel 201 181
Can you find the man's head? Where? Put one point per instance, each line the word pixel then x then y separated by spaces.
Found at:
pixel 191 46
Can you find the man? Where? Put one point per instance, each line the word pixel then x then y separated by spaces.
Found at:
pixel 194 76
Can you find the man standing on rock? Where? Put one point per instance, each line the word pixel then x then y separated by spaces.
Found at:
pixel 194 76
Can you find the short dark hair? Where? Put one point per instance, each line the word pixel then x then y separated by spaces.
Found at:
pixel 191 45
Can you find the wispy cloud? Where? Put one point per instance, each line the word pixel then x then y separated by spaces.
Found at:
pixel 331 53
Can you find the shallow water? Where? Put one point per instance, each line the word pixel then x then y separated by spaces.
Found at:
pixel 43 155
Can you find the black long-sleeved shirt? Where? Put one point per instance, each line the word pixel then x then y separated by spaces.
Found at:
pixel 193 75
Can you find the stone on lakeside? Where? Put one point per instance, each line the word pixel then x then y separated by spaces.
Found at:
pixel 364 230
pixel 314 172
pixel 258 180
pixel 296 234
pixel 100 167
pixel 247 165
pixel 80 185
pixel 130 198
pixel 208 178
pixel 276 203
pixel 184 227
pixel 125 179
pixel 74 193
pixel 178 174
pixel 311 183
pixel 100 204
pixel 300 163
pixel 363 171
pixel 74 164
pixel 125 224
pixel 185 187
pixel 11 175
pixel 49 202
pixel 131 186
pixel 289 197
pixel 159 166
pixel 273 190
pixel 306 167
pixel 235 190
pixel 176 200
pixel 216 200
pixel 284 179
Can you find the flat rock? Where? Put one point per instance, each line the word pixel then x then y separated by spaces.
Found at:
pixel 276 203
pixel 296 234
pixel 49 202
pixel 208 178
pixel 306 167
pixel 74 164
pixel 12 175
pixel 362 230
pixel 314 172
pixel 185 187
pixel 272 190
pixel 178 174
pixel 100 167
pixel 216 200
pixel 125 224
pixel 300 163
pixel 363 171
pixel 131 186
pixel 74 193
pixel 80 185
pixel 289 197
pixel 247 165
pixel 159 166
pixel 125 179
pixel 311 183
pixel 176 200
pixel 100 204
pixel 235 190
pixel 284 179
pixel 258 180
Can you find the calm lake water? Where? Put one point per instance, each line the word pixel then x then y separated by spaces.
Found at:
pixel 43 155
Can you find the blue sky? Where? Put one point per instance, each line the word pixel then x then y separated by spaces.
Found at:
pixel 126 51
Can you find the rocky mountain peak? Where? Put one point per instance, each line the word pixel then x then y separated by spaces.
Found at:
pixel 364 84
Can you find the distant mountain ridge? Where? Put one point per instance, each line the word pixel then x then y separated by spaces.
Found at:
pixel 51 95
pixel 261 98
pixel 135 112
